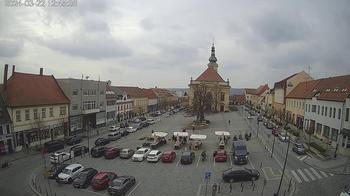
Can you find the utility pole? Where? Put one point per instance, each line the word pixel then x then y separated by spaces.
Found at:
pixel 273 145
pixel 257 129
pixel 284 167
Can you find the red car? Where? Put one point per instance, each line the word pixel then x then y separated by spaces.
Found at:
pixel 220 156
pixel 275 131
pixel 102 179
pixel 168 156
pixel 112 153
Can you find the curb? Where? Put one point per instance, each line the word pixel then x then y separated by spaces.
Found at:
pixel 326 170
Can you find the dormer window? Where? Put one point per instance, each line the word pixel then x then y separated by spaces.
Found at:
pixel 328 90
pixel 314 90
pixel 344 90
pixel 335 90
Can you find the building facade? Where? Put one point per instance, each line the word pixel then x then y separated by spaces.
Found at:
pixel 152 99
pixel 37 106
pixel 87 103
pixel 111 105
pixel 218 89
pixel 6 138
pixel 140 100
pixel 124 104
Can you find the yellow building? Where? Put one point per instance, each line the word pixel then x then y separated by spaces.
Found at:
pixel 140 100
pixel 217 88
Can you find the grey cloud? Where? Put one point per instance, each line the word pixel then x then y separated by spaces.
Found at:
pixel 10 47
pixel 147 24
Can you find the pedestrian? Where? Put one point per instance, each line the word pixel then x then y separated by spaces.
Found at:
pixel 229 121
pixel 190 146
pixel 193 128
pixel 152 131
pixel 230 187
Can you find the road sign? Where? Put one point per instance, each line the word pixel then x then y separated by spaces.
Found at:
pixel 207 175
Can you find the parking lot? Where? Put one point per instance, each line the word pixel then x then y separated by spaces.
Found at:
pixel 174 178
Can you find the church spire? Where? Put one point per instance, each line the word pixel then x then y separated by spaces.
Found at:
pixel 212 60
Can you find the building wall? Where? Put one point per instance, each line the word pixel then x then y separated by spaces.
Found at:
pixel 295 80
pixel 279 95
pixel 295 108
pixel 140 105
pixel 344 138
pixel 324 119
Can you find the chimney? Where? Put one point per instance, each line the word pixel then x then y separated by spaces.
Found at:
pixel 5 75
pixel 41 71
pixel 13 69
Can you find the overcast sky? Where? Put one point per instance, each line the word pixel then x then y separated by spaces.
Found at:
pixel 166 42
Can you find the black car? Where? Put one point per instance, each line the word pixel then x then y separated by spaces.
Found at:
pixel 84 178
pixel 142 118
pixel 73 140
pixel 232 175
pixel 124 132
pixel 121 185
pixel 144 124
pixel 79 150
pixel 53 145
pixel 239 152
pixel 56 169
pixel 123 125
pixel 187 157
pixel 101 141
pixel 98 151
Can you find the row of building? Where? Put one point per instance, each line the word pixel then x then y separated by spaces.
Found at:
pixel 319 107
pixel 36 108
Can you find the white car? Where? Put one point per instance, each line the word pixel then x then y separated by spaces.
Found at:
pixel 150 121
pixel 141 154
pixel 154 156
pixel 249 117
pixel 60 157
pixel 116 135
pixel 114 128
pixel 283 136
pixel 131 129
pixel 69 173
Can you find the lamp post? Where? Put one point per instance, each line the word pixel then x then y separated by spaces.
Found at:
pixel 273 145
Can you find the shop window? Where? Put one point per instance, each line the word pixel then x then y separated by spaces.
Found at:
pixel 326 131
pixel 334 136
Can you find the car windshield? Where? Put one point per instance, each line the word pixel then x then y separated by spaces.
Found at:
pixel 66 171
pixel 140 152
pixel 117 183
pixel 300 145
pixel 240 147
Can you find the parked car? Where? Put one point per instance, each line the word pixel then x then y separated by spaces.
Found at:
pixel 116 135
pixel 220 156
pixel 158 142
pixel 275 131
pixel 249 117
pixel 78 150
pixel 53 145
pixel 141 154
pixel 239 152
pixel 150 121
pixel 69 173
pixel 74 140
pixel 154 156
pixel 102 179
pixel 137 120
pixel 98 151
pixel 101 141
pixel 112 153
pixel 131 129
pixel 187 157
pixel 168 156
pixel 144 124
pixel 123 132
pixel 84 178
pixel 59 157
pixel 142 118
pixel 232 175
pixel 299 148
pixel 126 153
pixel 56 169
pixel 283 136
pixel 269 125
pixel 260 119
pixel 124 125
pixel 121 185
pixel 114 128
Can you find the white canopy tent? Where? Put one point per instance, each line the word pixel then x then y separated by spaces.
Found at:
pixel 181 134
pixel 159 134
pixel 198 137
pixel 222 133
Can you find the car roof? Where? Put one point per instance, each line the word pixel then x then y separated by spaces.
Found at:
pixel 101 175
pixel 143 149
pixel 87 170
pixel 74 165
pixel 154 151
pixel 168 152
pixel 186 152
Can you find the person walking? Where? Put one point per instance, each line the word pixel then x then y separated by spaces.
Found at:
pixel 229 121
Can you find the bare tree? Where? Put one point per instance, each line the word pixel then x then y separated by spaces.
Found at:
pixel 216 95
pixel 202 100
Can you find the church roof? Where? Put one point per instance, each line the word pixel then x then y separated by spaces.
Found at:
pixel 210 75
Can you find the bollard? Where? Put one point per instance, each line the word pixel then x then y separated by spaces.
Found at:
pixel 253 187
pixel 284 193
pixel 55 194
pixel 290 182
pixel 242 188
pixel 252 182
pixel 260 164
pixel 39 189
pixel 230 187
pixel 47 193
pixel 219 188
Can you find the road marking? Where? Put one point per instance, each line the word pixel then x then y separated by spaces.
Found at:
pixel 137 185
pixel 309 174
pixel 197 162
pixel 316 174
pixel 296 176
pixel 214 162
pixel 324 174
pixel 302 158
pixel 178 162
pixel 97 193
pixel 303 175
pixel 251 164
pixel 231 160
pixel 199 190
pixel 331 174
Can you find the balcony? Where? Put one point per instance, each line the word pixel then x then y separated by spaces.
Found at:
pixel 90 111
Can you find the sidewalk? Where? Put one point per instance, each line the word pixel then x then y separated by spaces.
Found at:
pixel 339 165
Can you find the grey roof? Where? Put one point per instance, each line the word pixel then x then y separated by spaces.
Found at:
pixel 117 90
pixel 4 115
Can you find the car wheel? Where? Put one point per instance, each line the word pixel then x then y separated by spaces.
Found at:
pixel 232 180
pixel 253 178
pixel 70 180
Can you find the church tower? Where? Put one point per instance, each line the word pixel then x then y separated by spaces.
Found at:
pixel 212 60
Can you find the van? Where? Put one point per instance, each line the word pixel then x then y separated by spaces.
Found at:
pixel 53 145
pixel 240 153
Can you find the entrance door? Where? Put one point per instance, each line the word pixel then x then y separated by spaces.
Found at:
pixel 222 108
pixel 9 145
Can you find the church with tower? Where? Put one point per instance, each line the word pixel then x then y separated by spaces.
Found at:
pixel 217 88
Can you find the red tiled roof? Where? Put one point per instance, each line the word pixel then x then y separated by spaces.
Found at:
pixel 149 93
pixel 162 92
pixel 134 92
pixel 238 98
pixel 210 75
pixel 110 94
pixel 330 89
pixel 25 89
pixel 262 89
pixel 251 91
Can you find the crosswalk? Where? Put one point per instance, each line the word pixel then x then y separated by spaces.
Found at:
pixel 309 175
pixel 303 157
